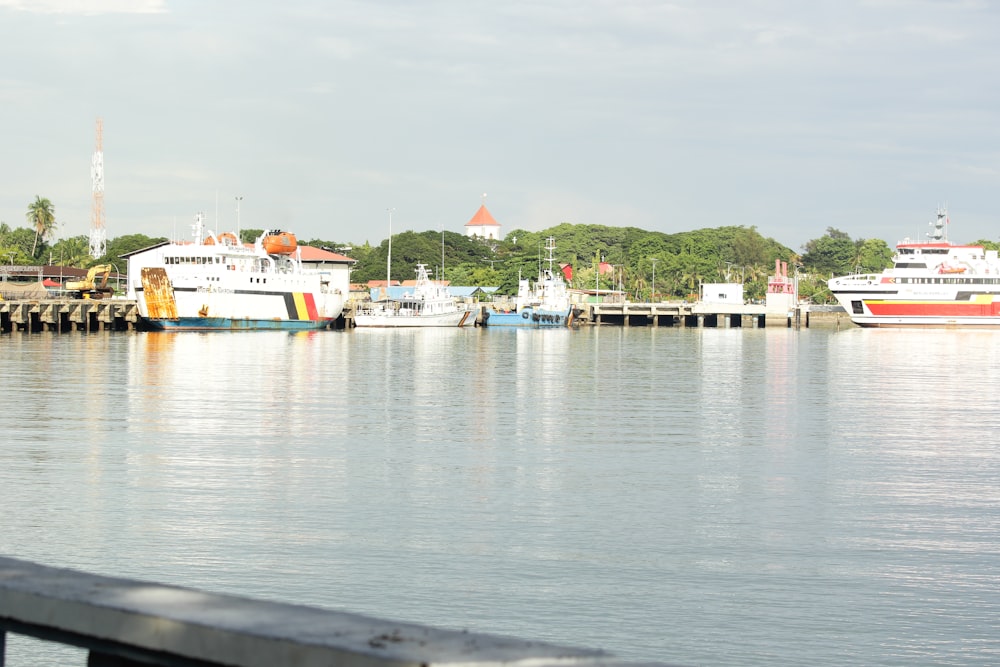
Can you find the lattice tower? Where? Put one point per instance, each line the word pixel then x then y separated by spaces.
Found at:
pixel 98 233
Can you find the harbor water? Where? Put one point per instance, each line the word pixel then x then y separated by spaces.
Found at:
pixel 691 496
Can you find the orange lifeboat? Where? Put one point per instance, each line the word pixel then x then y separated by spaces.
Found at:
pixel 280 243
pixel 227 238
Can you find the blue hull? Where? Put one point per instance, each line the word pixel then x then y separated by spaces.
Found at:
pixel 531 317
pixel 228 324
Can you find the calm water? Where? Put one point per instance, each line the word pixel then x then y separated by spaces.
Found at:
pixel 702 497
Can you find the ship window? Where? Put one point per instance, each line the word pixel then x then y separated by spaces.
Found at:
pixel 857 308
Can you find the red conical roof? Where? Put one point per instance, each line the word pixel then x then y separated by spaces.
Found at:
pixel 482 218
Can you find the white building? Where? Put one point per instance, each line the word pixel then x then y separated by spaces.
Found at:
pixel 728 293
pixel 482 224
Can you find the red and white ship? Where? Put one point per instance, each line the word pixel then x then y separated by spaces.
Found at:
pixel 933 283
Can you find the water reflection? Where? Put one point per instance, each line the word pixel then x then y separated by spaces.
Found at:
pixel 761 494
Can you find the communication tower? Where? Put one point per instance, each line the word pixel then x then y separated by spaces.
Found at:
pixel 98 234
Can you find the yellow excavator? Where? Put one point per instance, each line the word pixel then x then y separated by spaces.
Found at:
pixel 94 286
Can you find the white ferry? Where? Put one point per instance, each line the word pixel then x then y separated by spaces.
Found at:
pixel 933 283
pixel 218 283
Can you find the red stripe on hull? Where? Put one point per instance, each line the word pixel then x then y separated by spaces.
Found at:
pixel 311 306
pixel 951 309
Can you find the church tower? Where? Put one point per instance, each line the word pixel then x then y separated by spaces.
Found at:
pixel 482 224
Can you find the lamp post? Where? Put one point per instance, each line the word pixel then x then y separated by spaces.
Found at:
pixel 239 198
pixel 652 288
pixel 388 258
pixel 118 278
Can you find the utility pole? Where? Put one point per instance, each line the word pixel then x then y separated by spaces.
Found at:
pixel 98 233
pixel 239 237
pixel 652 289
pixel 388 258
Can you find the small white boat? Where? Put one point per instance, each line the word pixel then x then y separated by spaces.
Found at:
pixel 428 305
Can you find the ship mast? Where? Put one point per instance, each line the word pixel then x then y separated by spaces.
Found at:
pixel 940 232
pixel 388 258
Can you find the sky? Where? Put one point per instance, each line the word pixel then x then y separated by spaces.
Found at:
pixel 791 117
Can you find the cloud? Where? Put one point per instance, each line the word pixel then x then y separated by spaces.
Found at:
pixel 86 7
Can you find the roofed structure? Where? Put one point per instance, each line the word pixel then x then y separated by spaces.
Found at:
pixel 483 224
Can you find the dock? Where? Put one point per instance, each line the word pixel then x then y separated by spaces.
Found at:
pixel 90 315
pixel 65 315
pixel 680 314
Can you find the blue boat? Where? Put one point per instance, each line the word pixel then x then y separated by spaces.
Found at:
pixel 541 305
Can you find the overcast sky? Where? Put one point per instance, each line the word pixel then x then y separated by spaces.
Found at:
pixel 789 115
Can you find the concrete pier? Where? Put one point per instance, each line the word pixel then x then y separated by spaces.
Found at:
pixel 680 314
pixel 64 315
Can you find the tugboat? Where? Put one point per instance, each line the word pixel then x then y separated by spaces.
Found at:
pixel 544 304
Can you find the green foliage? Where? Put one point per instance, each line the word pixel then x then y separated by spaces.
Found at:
pixel 74 251
pixel 18 241
pixel 987 245
pixel 123 245
pixel 681 261
pixel 832 254
pixel 814 289
pixel 409 248
pixel 250 235
pixel 873 255
pixel 41 216
pixel 836 254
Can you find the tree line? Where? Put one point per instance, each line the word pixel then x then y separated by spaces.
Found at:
pixel 642 264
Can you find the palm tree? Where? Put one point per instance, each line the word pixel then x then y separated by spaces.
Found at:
pixel 42 215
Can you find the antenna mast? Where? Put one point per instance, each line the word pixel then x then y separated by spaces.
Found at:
pixel 98 234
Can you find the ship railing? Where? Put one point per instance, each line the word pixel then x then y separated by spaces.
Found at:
pixel 128 623
pixel 861 278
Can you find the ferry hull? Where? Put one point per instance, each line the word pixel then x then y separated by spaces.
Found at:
pixel 229 324
pixel 191 310
pixel 455 319
pixel 531 318
pixel 972 311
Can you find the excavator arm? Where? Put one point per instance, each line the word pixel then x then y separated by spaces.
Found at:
pixel 88 285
